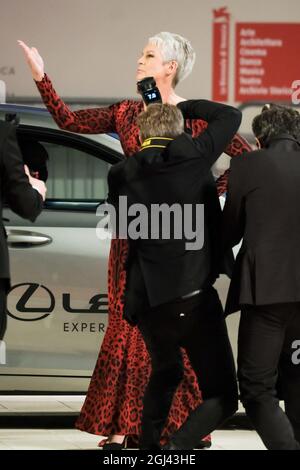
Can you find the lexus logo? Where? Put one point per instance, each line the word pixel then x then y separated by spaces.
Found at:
pixel 32 292
pixel 38 302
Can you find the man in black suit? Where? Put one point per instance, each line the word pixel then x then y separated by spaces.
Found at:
pixel 169 291
pixel 24 195
pixel 263 207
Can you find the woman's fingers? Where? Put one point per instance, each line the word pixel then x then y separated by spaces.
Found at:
pixel 26 169
pixel 24 46
pixel 29 51
pixel 34 60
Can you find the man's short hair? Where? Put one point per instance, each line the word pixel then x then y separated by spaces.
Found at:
pixel 160 120
pixel 274 120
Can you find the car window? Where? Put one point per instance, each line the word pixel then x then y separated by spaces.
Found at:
pixel 70 174
pixel 74 174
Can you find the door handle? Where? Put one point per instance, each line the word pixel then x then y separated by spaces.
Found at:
pixel 26 239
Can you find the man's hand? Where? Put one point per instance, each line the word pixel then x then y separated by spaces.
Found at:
pixel 36 184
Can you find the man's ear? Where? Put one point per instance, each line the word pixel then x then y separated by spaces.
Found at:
pixel 258 144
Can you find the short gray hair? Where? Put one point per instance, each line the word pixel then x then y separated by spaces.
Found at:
pixel 160 120
pixel 175 47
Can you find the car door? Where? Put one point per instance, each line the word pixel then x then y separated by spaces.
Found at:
pixel 57 306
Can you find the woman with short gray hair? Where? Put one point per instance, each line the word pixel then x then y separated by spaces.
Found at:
pixel 175 47
pixel 113 403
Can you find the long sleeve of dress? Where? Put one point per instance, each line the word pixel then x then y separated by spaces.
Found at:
pixel 85 121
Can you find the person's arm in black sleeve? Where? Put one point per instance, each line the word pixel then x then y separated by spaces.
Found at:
pixel 234 218
pixel 113 180
pixel 223 122
pixel 20 196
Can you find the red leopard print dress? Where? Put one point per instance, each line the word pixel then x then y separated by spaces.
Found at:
pixel 114 399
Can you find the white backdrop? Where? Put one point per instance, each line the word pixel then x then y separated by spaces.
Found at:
pixel 91 46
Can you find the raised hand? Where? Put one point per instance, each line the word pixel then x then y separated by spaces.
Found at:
pixel 34 61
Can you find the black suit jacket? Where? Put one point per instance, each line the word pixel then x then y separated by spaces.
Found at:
pixel 14 188
pixel 263 208
pixel 177 172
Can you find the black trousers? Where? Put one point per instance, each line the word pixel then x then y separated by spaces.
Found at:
pixel 3 313
pixel 197 325
pixel 269 369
